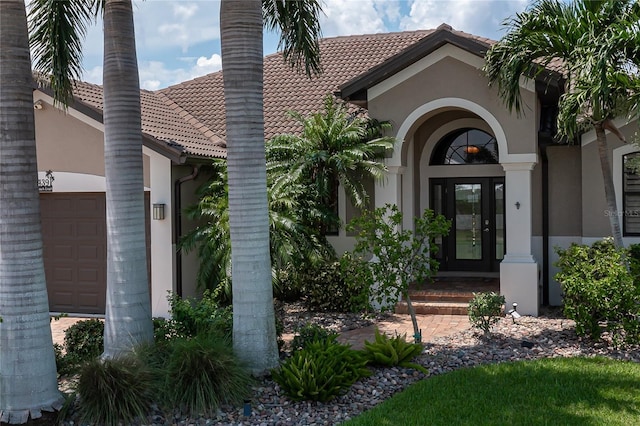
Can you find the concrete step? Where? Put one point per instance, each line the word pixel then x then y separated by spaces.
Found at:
pixel 440 296
pixel 433 308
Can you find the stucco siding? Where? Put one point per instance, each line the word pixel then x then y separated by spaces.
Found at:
pixel 451 78
pixel 66 144
pixel 565 194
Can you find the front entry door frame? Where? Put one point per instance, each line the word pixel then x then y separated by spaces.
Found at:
pixel 475 206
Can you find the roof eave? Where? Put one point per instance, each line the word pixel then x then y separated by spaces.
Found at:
pixel 355 90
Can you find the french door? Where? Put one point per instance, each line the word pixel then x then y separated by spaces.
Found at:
pixel 475 206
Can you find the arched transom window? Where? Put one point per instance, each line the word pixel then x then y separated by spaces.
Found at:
pixel 466 146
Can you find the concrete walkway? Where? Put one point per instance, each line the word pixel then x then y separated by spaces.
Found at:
pixel 432 326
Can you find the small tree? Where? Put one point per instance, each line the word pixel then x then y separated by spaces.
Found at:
pixel 400 257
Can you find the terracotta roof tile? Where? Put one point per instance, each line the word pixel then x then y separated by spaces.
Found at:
pixel 191 115
pixel 342 58
pixel 164 121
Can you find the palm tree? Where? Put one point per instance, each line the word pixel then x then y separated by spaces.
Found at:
pixel 291 243
pixel 598 47
pixel 335 147
pixel 28 382
pixel 241 25
pixel 57 29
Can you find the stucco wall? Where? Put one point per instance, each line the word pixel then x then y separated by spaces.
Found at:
pixel 565 196
pixel 452 78
pixel 595 222
pixel 67 144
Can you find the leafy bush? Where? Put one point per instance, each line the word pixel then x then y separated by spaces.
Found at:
pixel 393 351
pixel 84 340
pixel 321 371
pixel 599 291
pixel 310 333
pixel 485 309
pixel 400 256
pixel 326 289
pixel 114 391
pixel 191 317
pixel 198 374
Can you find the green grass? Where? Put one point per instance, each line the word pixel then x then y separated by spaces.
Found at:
pixel 559 391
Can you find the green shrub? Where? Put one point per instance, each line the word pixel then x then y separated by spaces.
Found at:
pixel 190 317
pixel 326 289
pixel 197 374
pixel 321 371
pixel 84 340
pixel 485 309
pixel 599 291
pixel 113 391
pixel 310 333
pixel 394 351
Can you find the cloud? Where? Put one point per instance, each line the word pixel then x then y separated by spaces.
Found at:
pixel 480 17
pixel 342 17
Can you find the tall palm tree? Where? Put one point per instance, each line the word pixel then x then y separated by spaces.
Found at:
pixel 241 25
pixel 57 30
pixel 28 382
pixel 597 44
pixel 335 147
pixel 128 306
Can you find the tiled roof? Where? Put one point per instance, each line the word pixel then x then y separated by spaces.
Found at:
pixel 163 121
pixel 190 116
pixel 342 59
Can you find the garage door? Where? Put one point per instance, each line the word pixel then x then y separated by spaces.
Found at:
pixel 75 250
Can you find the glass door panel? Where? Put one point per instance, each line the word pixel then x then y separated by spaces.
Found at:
pixel 468 221
pixel 498 191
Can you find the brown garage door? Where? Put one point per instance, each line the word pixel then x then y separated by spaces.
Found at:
pixel 75 250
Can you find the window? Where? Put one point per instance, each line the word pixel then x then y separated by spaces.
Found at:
pixel 631 196
pixel 466 146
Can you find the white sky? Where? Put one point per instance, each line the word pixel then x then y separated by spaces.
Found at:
pixel 178 40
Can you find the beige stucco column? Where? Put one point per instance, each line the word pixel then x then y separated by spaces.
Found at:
pixel 162 252
pixel 390 191
pixel 519 269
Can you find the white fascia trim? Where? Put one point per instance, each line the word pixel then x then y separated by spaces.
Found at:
pixel 446 51
pixel 38 95
pixel 590 136
pixel 77 182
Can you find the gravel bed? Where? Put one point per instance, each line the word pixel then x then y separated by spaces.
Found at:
pixel 526 339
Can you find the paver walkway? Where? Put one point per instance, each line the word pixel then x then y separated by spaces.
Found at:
pixel 432 326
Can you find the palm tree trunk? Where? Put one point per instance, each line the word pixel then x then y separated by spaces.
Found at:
pixel 128 311
pixel 609 191
pixel 28 382
pixel 254 335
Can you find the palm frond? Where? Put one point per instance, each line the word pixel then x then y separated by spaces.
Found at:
pixel 299 27
pixel 57 29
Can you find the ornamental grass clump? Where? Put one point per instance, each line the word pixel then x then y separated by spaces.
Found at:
pixel 321 371
pixel 393 351
pixel 113 391
pixel 196 374
pixel 485 310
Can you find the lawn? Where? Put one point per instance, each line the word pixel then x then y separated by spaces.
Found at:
pixel 557 391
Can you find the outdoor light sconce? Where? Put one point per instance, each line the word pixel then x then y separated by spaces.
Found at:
pixel 517 204
pixel 158 212
pixel 38 105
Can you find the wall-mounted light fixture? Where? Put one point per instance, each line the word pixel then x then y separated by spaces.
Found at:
pixel 38 104
pixel 158 211
pixel 472 149
pixel 517 204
